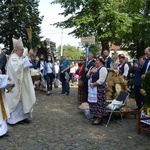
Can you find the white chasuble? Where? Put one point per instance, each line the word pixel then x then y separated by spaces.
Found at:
pixel 24 89
pixel 4 112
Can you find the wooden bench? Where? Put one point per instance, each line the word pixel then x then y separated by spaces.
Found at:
pixel 131 112
pixel 141 125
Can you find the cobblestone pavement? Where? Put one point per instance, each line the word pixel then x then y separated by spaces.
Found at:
pixel 58 124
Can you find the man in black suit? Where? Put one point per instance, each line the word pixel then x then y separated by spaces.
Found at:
pixel 146 66
pixel 108 60
pixel 3 62
pixel 84 78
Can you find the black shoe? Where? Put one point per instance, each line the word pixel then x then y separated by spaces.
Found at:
pixel 5 135
pixel 25 121
pixel 67 94
pixel 62 93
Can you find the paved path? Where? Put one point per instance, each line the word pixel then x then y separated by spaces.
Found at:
pixel 58 124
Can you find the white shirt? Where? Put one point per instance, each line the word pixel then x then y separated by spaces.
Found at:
pixel 147 67
pixel 73 70
pixel 41 65
pixel 56 68
pixel 126 70
pixel 102 75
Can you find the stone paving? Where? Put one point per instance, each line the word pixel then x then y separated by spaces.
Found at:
pixel 58 124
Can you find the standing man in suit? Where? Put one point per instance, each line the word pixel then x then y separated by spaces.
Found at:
pixel 84 78
pixel 146 66
pixel 3 62
pixel 108 60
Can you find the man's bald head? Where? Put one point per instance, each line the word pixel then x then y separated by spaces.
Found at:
pixel 90 56
pixel 64 56
pixel 147 52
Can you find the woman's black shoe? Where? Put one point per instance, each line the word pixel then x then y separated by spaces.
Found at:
pixel 67 94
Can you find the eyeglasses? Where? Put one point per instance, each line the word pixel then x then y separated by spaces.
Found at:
pixel 20 49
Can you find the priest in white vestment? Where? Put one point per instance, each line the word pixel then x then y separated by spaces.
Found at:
pixel 4 112
pixel 22 98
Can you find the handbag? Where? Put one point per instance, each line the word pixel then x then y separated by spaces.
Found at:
pixel 56 83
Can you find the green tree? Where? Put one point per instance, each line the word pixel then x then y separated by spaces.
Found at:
pixel 95 49
pixel 73 53
pixel 116 21
pixel 16 16
pixel 139 38
pixel 99 18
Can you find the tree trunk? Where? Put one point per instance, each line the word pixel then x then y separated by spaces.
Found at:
pixel 105 45
pixel 10 42
pixel 140 48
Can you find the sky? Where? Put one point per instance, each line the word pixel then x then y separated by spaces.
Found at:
pixel 50 13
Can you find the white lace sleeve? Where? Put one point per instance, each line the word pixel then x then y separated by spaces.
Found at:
pixel 27 63
pixel 102 76
pixel 126 70
pixel 3 81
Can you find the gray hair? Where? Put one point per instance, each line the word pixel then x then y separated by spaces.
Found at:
pixel 91 54
pixel 148 48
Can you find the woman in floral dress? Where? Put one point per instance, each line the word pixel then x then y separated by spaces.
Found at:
pixel 97 100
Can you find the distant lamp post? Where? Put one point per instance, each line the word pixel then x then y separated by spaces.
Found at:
pixel 61 51
pixel 29 32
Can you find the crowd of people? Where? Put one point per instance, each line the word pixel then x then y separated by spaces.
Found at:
pixel 49 69
pixel 92 86
pixel 17 104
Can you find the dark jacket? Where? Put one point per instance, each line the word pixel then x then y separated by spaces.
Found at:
pixel 137 79
pixel 35 64
pixel 108 62
pixel 143 69
pixel 84 78
pixel 3 62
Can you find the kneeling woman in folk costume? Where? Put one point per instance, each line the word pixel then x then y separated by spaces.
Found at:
pixel 97 91
pixel 4 112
